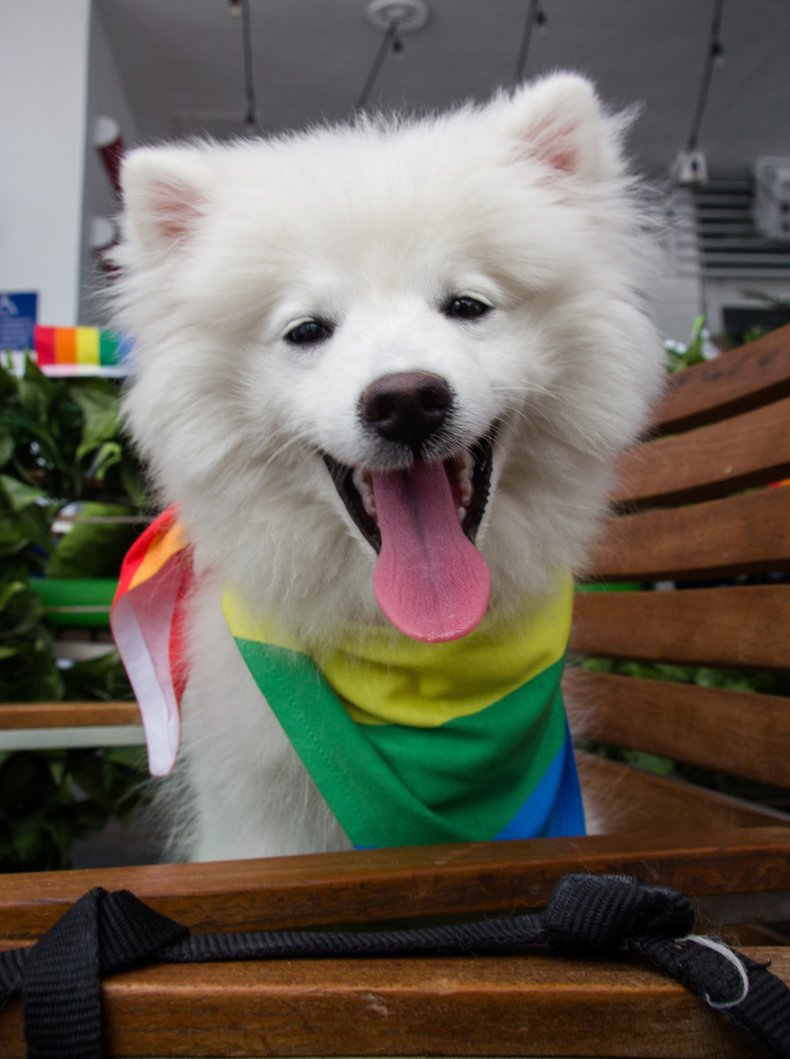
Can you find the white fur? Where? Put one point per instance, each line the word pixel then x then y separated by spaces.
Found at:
pixel 525 202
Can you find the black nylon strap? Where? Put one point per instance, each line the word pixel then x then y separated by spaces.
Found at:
pixel 759 1005
pixel 597 914
pixel 490 935
pixel 59 976
pixel 61 991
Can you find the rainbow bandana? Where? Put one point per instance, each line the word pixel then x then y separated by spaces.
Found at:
pixel 408 742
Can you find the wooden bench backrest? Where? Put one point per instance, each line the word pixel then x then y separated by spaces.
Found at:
pixel 698 502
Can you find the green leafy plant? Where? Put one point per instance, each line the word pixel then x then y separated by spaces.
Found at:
pixel 682 355
pixel 63 461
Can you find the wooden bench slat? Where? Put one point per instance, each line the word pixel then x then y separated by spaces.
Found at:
pixel 751 449
pixel 531 1005
pixel 380 885
pixel 720 538
pixel 26 715
pixel 630 800
pixel 735 382
pixel 684 722
pixel 747 626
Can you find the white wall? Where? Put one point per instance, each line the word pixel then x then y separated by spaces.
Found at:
pixel 676 302
pixel 107 96
pixel 677 297
pixel 43 86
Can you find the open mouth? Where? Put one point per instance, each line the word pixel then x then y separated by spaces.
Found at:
pixel 430 579
pixel 468 474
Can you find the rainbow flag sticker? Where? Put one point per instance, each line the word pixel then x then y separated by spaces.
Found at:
pixel 80 351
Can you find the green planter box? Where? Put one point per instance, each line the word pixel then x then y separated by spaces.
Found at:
pixel 610 586
pixel 85 602
pixel 80 602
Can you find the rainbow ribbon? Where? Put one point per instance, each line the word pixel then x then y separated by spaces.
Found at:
pixel 79 350
pixel 146 618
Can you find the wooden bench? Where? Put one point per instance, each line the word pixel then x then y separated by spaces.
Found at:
pixel 696 504
pixel 56 725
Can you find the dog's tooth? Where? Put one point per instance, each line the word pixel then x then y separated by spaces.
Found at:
pixel 364 484
pixel 463 466
pixel 363 481
pixel 463 463
pixel 463 481
pixel 462 469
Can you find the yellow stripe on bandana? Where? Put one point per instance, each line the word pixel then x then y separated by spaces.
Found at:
pixel 384 677
pixel 415 743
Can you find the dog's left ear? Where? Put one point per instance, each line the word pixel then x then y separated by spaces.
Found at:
pixel 559 122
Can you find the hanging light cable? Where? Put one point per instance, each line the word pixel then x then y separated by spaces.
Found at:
pixel 535 17
pixel 390 41
pixel 712 58
pixel 251 114
pixel 392 18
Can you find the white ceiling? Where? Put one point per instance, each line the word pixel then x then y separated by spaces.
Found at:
pixel 181 63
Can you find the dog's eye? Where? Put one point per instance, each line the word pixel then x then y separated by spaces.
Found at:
pixel 308 333
pixel 465 307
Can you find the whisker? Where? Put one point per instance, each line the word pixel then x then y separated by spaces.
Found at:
pixel 278 452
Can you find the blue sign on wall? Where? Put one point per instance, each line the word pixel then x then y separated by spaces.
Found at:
pixel 17 320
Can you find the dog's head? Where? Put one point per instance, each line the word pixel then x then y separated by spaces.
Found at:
pixel 408 345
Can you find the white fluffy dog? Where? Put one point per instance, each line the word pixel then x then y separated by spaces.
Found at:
pixel 454 303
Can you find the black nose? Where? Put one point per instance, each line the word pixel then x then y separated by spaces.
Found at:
pixel 407 407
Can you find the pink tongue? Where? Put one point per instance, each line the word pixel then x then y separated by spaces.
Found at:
pixel 430 580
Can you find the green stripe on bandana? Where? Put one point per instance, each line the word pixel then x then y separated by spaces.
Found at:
pixel 482 754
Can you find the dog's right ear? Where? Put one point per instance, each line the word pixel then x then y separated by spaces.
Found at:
pixel 165 193
pixel 558 121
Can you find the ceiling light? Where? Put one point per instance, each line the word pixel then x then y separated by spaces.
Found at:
pixel 691 167
pixel 408 15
